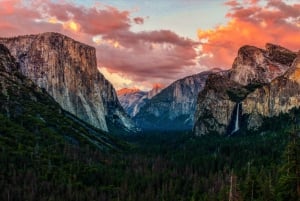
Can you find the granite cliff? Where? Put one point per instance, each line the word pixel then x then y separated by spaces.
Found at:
pixel 279 96
pixel 132 100
pixel 67 70
pixel 259 85
pixel 31 117
pixel 174 107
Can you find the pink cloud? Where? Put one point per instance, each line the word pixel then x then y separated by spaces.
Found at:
pixel 149 56
pixel 143 62
pixel 93 20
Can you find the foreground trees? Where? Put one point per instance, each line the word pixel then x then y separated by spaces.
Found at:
pixel 158 167
pixel 289 181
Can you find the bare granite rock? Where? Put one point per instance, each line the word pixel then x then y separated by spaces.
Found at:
pixel 67 70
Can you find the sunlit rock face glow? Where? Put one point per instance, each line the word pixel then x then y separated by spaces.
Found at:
pixel 132 100
pixel 67 70
pixel 278 96
pixel 265 82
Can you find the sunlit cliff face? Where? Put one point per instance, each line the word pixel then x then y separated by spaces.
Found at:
pixel 295 75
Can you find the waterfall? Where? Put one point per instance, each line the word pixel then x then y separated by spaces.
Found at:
pixel 236 123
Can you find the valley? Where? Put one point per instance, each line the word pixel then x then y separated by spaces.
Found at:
pixel 216 135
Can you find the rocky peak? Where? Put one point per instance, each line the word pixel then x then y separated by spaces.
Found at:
pixel 132 99
pixel 280 54
pixel 67 70
pixel 255 65
pixel 174 107
pixel 277 97
pixel 157 87
pixel 127 91
pixel 35 112
pixel 294 72
pixel 261 83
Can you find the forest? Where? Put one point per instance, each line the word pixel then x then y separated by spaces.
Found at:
pixel 37 164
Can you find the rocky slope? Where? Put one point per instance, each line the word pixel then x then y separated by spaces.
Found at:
pixel 132 100
pixel 255 65
pixel 279 96
pixel 67 70
pixel 174 107
pixel 27 111
pixel 253 72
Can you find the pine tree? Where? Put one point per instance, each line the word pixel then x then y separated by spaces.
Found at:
pixel 289 181
pixel 233 190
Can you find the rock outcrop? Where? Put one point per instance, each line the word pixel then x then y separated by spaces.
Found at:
pixel 253 72
pixel 174 107
pixel 156 89
pixel 132 100
pixel 255 65
pixel 36 114
pixel 67 70
pixel 279 96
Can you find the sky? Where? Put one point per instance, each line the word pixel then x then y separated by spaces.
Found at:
pixel 144 43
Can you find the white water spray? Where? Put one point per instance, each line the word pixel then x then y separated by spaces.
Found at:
pixel 236 124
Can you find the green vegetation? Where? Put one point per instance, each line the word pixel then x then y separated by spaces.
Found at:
pixel 162 166
pixel 48 154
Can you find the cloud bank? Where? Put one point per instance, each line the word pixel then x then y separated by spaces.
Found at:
pixel 251 22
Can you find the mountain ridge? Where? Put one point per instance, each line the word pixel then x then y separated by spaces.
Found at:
pixel 133 99
pixel 67 69
pixel 173 108
pixel 252 71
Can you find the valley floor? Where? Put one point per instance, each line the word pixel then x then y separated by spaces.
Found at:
pixel 169 166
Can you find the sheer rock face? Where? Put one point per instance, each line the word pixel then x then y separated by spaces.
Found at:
pixel 25 104
pixel 174 107
pixel 278 96
pixel 214 105
pixel 132 100
pixel 258 80
pixel 67 70
pixel 254 65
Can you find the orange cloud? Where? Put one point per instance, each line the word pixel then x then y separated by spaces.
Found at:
pixel 53 20
pixel 71 25
pixel 277 22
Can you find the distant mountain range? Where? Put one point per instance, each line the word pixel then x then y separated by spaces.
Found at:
pixel 262 83
pixel 133 99
pixel 171 108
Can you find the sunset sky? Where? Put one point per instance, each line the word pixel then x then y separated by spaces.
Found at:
pixel 140 43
